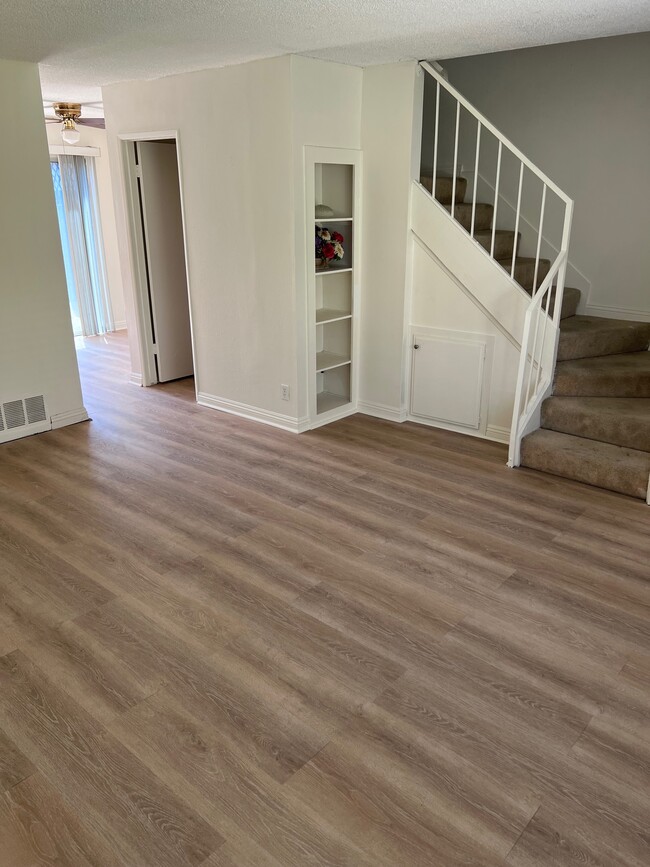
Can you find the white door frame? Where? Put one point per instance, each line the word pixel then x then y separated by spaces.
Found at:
pixel 137 252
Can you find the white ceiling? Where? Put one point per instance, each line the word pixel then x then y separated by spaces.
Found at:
pixel 83 44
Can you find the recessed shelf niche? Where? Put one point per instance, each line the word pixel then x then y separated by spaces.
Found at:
pixel 332 178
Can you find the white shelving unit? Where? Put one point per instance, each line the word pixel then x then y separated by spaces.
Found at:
pixel 333 178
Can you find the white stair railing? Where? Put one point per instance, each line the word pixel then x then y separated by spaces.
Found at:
pixel 539 344
pixel 541 325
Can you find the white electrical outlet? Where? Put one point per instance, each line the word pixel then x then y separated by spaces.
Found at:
pixel 286 392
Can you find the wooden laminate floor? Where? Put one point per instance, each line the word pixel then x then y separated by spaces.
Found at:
pixel 372 644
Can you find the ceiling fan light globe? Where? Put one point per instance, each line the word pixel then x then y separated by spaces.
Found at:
pixel 70 135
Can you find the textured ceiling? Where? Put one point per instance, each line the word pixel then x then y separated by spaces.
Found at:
pixel 83 44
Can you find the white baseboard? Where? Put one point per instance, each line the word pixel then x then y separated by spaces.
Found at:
pixel 135 378
pixel 119 325
pixel 24 431
pixel 380 410
pixel 328 418
pixel 253 413
pixel 616 312
pixel 492 432
pixel 498 434
pixel 73 416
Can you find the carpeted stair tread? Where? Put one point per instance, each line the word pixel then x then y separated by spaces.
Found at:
pixel 463 213
pixel 504 241
pixel 626 375
pixel 525 270
pixel 444 187
pixel 618 420
pixel 587 336
pixel 585 460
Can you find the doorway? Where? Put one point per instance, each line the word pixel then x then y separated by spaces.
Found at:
pixel 161 285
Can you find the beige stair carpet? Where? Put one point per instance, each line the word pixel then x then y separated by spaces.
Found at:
pixel 588 336
pixel 600 464
pixel 626 375
pixel 623 421
pixel 596 426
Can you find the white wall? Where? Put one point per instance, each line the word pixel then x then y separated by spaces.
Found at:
pixel 37 353
pixel 437 302
pixel 389 93
pixel 457 288
pixel 235 152
pixel 581 111
pixel 96 138
pixel 242 132
pixel 317 120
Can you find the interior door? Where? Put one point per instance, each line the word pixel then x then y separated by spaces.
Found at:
pixel 165 255
pixel 447 380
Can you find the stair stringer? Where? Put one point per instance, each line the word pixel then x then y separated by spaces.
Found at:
pixel 482 279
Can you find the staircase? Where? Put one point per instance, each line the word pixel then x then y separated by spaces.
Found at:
pixel 504 239
pixel 596 425
pixel 582 402
pixel 595 428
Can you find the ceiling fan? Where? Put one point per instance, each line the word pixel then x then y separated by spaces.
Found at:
pixel 70 114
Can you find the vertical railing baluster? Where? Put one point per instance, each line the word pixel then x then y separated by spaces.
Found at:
pixel 476 163
pixel 532 358
pixel 514 246
pixel 496 198
pixel 518 410
pixel 453 180
pixel 435 142
pixel 539 239
pixel 559 290
pixel 549 293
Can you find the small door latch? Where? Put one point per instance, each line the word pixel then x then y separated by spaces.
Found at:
pixel 416 346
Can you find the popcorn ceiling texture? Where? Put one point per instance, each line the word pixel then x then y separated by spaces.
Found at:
pixel 83 45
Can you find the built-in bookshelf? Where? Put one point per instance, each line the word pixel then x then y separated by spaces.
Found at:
pixel 333 307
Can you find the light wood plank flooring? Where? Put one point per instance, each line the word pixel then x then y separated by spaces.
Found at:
pixel 372 644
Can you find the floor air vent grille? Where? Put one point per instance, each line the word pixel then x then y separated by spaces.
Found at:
pixel 22 413
pixel 35 409
pixel 14 413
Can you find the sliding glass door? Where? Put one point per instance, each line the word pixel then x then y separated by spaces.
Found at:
pixel 75 192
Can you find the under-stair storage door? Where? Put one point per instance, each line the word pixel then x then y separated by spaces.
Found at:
pixel 165 258
pixel 332 249
pixel 448 380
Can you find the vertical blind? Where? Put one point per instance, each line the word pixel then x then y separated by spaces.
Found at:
pixel 75 189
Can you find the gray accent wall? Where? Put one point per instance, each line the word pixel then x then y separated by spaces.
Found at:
pixel 581 112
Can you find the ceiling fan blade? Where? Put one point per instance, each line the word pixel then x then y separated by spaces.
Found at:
pixel 96 122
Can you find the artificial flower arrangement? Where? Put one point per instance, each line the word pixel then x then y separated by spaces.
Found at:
pixel 329 246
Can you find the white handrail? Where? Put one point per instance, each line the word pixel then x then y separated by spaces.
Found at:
pixel 495 132
pixel 435 142
pixel 542 319
pixel 453 183
pixel 496 199
pixel 538 357
pixel 478 150
pixel 514 246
